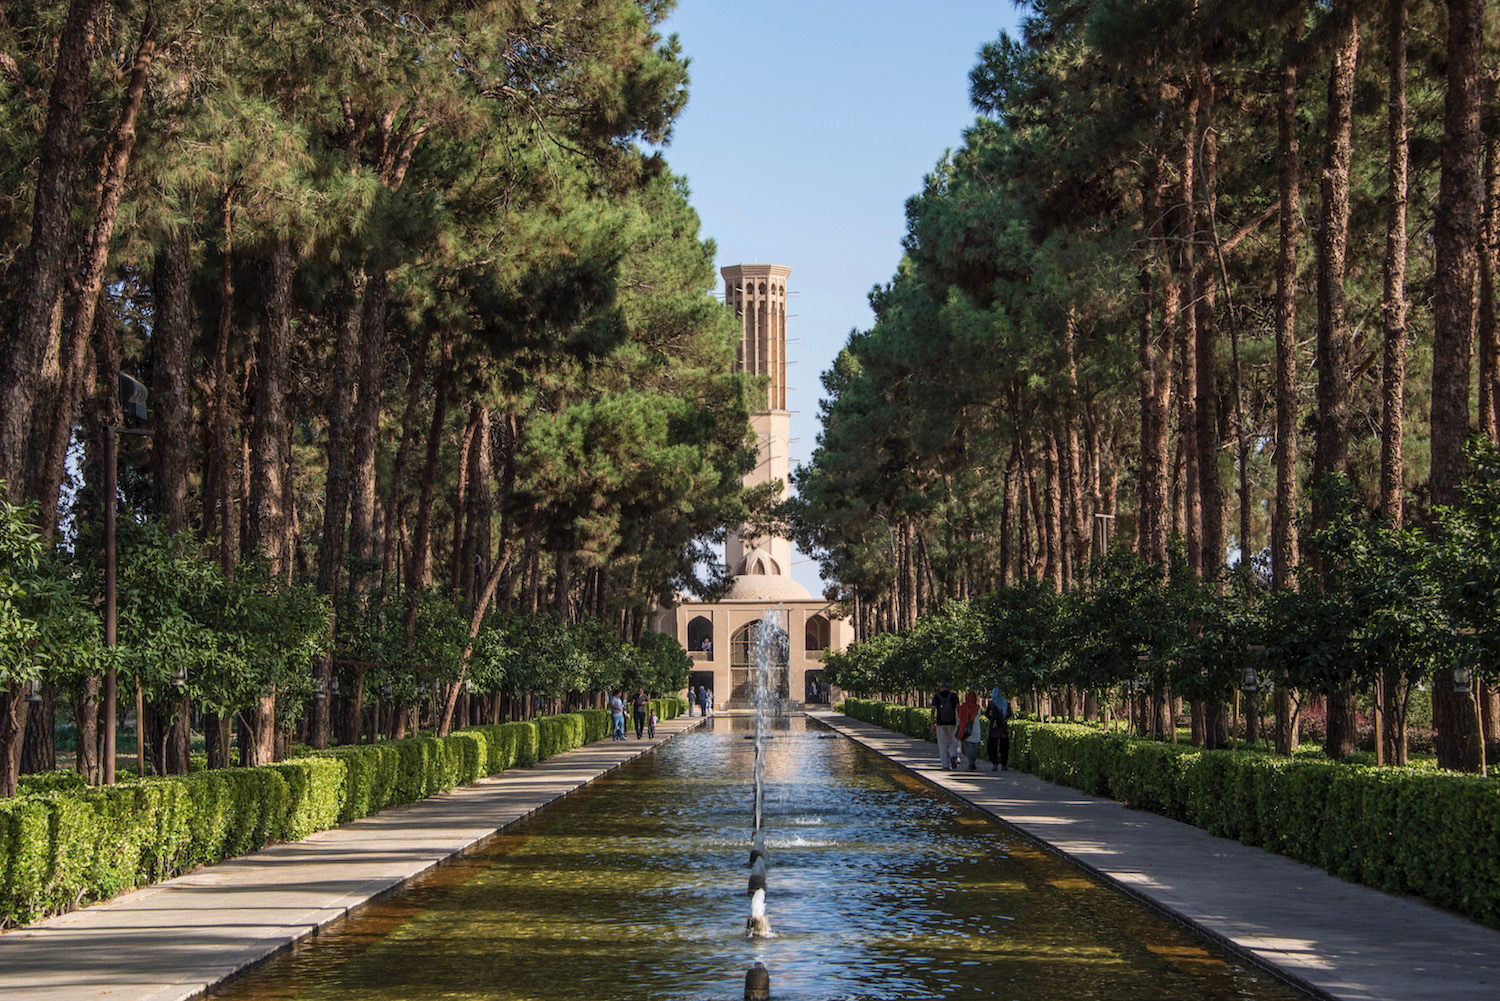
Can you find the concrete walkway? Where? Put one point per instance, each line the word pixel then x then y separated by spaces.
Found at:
pixel 176 939
pixel 1332 937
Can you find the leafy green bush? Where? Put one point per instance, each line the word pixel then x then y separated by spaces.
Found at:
pixel 50 782
pixel 558 733
pixel 62 845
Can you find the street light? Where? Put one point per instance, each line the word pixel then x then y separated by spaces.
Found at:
pixel 1249 683
pixel 1463 677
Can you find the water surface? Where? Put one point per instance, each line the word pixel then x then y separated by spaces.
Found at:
pixel 879 887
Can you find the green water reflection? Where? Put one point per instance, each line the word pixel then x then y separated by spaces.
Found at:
pixel 635 888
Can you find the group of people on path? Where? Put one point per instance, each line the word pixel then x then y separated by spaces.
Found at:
pixel 645 717
pixel 958 728
pixel 702 697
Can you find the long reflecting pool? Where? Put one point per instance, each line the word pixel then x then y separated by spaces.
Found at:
pixel 635 888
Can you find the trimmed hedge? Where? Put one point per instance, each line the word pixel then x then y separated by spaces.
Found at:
pixel 670 707
pixel 62 846
pixel 1432 834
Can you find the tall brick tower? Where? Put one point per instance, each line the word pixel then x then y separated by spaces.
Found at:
pixel 757 294
pixel 720 637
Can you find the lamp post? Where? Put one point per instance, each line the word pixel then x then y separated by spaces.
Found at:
pixel 1138 694
pixel 1102 524
pixel 1249 684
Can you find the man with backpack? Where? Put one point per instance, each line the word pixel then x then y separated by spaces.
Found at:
pixel 944 716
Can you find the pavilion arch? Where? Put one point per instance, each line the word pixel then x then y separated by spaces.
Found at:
pixel 743 647
pixel 742 644
pixel 818 632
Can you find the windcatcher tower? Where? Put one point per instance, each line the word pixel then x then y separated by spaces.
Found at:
pixel 757 295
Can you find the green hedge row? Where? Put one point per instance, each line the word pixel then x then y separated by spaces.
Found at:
pixel 1431 834
pixel 670 707
pixel 914 721
pixel 62 847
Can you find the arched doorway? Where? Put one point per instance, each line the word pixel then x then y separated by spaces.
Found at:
pixel 814 692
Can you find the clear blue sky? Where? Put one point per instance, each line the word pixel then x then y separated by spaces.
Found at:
pixel 808 125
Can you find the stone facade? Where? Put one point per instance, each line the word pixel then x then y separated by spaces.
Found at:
pixel 762 566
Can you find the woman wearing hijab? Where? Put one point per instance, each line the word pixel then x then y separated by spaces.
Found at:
pixel 968 727
pixel 998 746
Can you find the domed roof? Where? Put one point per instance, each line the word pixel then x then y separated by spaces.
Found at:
pixel 766 587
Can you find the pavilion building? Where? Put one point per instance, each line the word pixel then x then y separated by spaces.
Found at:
pixel 719 635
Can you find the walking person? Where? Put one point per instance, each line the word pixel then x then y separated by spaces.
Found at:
pixel 617 716
pixel 707 696
pixel 968 728
pixel 943 715
pixel 642 707
pixel 998 746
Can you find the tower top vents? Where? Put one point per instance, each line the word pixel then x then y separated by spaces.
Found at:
pixel 757 294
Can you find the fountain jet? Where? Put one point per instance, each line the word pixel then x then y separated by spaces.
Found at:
pixel 758 925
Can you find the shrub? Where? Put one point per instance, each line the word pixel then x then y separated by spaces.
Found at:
pixel 62 845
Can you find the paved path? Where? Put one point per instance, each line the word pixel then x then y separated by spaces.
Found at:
pixel 1336 938
pixel 176 939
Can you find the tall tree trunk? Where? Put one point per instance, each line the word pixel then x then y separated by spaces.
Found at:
pixel 1183 221
pixel 1073 457
pixel 1205 343
pixel 341 430
pixel 218 479
pixel 1284 549
pixel 366 439
pixel 460 503
pixel 39 753
pixel 171 380
pixel 1037 552
pixel 269 461
pixel 1053 572
pixel 51 437
pixel 1335 341
pixel 14 713
pixel 419 570
pixel 31 335
pixel 1393 300
pixel 1155 385
pixel 395 508
pixel 480 506
pixel 1489 321
pixel 86 718
pixel 1157 378
pixel 1008 504
pixel 1456 236
pixel 562 572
